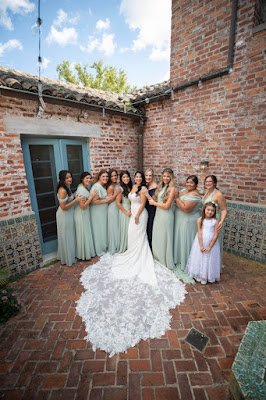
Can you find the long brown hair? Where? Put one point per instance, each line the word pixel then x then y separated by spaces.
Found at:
pixel 103 171
pixel 203 211
pixel 166 193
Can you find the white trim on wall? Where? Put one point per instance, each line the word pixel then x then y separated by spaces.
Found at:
pixel 49 127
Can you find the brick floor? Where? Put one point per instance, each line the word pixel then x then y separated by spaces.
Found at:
pixel 44 355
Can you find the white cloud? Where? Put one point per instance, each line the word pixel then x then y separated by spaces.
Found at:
pixel 124 49
pixel 107 46
pixel 16 7
pixel 152 19
pixel 11 44
pixel 45 62
pixel 61 18
pixel 64 37
pixel 104 44
pixel 103 25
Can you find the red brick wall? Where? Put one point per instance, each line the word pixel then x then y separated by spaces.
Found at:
pixel 224 121
pixel 117 147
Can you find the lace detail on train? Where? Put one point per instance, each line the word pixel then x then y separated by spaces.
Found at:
pixel 128 296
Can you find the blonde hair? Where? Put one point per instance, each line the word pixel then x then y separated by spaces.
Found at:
pixel 168 186
pixel 149 170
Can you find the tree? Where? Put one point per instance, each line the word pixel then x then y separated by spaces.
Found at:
pixel 103 77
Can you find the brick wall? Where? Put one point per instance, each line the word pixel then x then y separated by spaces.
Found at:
pixel 115 148
pixel 224 120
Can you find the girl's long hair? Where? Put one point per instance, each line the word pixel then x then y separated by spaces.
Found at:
pixel 122 184
pixel 166 193
pixel 109 177
pixel 103 171
pixel 62 177
pixel 203 211
pixel 143 183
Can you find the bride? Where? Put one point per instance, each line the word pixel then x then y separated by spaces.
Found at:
pixel 128 296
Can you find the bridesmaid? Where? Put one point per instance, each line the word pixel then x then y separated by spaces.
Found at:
pixel 113 214
pixel 99 210
pixel 123 203
pixel 186 214
pixel 151 187
pixel 85 246
pixel 163 226
pixel 65 219
pixel 214 195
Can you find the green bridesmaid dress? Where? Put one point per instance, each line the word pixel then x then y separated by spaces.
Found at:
pixel 113 226
pixel 218 216
pixel 66 237
pixel 184 235
pixel 85 246
pixel 99 221
pixel 123 226
pixel 163 235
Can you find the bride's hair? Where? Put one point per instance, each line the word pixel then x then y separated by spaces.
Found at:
pixel 143 182
pixel 161 185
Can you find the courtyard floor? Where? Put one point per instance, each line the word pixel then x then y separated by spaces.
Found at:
pixel 44 354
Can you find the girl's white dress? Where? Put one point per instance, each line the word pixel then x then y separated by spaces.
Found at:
pixel 205 267
pixel 128 296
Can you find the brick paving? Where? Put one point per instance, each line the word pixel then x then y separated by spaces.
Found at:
pixel 44 355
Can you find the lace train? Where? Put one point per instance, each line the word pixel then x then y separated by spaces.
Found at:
pixel 118 313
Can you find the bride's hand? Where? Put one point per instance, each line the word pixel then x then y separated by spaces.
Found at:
pixel 136 220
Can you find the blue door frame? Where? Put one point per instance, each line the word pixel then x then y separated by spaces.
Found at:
pixel 59 146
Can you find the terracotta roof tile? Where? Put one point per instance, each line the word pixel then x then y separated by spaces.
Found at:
pixel 23 81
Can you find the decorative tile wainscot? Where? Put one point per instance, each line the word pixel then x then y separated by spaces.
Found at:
pixel 245 230
pixel 20 248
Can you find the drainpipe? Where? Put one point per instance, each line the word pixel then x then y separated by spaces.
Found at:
pixel 140 145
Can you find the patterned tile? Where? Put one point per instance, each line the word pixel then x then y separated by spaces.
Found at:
pixel 245 230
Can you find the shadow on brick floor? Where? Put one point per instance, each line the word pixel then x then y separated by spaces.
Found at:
pixel 44 354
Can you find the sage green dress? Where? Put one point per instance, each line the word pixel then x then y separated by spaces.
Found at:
pixel 99 221
pixel 163 235
pixel 218 216
pixel 66 237
pixel 85 246
pixel 185 232
pixel 123 226
pixel 113 226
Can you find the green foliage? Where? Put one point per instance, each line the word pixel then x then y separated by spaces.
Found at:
pixel 10 304
pixel 102 77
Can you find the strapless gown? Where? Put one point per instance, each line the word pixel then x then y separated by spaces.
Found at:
pixel 128 296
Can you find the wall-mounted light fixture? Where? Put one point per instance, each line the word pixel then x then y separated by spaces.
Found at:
pixel 204 165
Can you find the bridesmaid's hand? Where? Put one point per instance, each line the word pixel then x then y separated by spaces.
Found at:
pixel 93 194
pixel 220 226
pixel 108 198
pixel 80 199
pixel 118 190
pixel 176 193
pixel 152 202
pixel 128 213
pixel 145 191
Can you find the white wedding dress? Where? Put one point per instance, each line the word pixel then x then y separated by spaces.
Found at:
pixel 128 296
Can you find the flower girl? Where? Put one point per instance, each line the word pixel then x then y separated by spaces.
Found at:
pixel 204 261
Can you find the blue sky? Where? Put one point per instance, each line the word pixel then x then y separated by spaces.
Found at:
pixel 130 34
